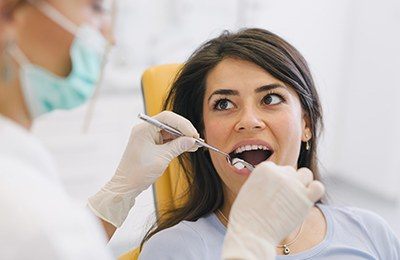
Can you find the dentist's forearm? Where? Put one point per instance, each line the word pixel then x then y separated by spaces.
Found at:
pixel 108 228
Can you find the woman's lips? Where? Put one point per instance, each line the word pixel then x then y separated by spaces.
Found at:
pixel 251 142
pixel 253 151
pixel 243 172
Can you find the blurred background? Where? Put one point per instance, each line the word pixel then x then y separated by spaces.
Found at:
pixel 352 48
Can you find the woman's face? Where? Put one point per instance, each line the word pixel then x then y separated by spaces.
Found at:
pixel 251 115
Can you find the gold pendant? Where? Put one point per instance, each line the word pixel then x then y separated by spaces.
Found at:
pixel 286 250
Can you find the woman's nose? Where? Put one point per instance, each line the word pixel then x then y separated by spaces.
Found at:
pixel 249 120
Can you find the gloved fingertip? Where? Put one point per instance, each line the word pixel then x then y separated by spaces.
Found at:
pixel 188 144
pixel 315 191
pixel 194 148
pixel 305 175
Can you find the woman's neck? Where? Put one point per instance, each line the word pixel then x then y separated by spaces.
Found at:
pixel 229 198
pixel 312 232
pixel 12 103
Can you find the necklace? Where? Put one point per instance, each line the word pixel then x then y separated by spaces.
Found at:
pixel 286 249
pixel 223 216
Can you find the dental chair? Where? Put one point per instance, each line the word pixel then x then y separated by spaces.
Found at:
pixel 170 187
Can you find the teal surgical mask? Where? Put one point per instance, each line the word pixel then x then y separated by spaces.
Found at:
pixel 44 91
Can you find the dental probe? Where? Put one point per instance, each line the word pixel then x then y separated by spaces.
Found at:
pixel 237 162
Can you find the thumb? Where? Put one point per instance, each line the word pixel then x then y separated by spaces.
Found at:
pixel 315 191
pixel 178 146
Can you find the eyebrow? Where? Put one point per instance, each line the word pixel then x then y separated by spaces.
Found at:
pixel 231 92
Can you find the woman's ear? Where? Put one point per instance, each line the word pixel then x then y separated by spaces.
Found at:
pixel 306 129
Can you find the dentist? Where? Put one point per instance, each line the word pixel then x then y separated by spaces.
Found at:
pixel 51 56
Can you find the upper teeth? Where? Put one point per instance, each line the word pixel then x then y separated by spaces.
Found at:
pixel 250 148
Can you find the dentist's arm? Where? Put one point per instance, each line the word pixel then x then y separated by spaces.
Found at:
pixel 270 205
pixel 145 159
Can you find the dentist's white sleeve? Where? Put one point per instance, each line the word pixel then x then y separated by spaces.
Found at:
pixel 39 221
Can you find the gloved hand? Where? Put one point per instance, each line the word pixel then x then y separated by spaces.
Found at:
pixel 270 205
pixel 145 159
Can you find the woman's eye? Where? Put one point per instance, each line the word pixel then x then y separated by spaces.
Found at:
pixel 223 104
pixel 272 99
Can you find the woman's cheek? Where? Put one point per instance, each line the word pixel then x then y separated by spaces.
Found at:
pixel 288 124
pixel 288 131
pixel 215 132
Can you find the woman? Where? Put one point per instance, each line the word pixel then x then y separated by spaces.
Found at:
pixel 251 94
pixel 50 58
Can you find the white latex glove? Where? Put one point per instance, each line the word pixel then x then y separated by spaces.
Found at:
pixel 144 161
pixel 270 205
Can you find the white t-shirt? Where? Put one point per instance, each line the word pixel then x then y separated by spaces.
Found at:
pixel 351 234
pixel 37 218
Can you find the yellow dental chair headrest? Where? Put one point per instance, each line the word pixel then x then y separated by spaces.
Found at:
pixel 168 190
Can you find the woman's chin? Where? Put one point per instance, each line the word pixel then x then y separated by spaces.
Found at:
pixel 243 172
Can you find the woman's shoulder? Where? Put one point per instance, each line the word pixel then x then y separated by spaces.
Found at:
pixel 356 215
pixel 186 240
pixel 356 223
pixel 177 242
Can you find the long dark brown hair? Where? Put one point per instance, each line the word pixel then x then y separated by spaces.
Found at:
pixel 270 52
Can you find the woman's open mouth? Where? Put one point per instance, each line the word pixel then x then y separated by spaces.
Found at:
pixel 252 153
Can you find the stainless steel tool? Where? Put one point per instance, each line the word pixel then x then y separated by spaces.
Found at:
pixel 236 162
